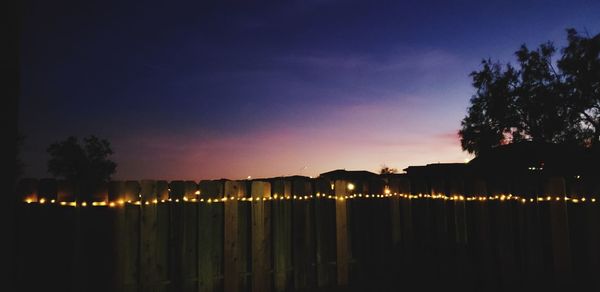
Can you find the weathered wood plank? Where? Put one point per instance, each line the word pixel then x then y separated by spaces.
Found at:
pixel 341 223
pixel 260 230
pixel 210 237
pixel 232 249
pixel 303 236
pixel 282 235
pixel 559 222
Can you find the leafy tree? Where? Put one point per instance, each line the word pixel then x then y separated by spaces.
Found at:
pixel 86 166
pixel 387 170
pixel 538 100
pixel 580 66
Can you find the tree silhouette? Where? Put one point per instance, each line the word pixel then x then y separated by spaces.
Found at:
pixel 580 65
pixel 387 170
pixel 538 100
pixel 86 166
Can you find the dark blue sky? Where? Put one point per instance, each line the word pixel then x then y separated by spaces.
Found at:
pixel 267 88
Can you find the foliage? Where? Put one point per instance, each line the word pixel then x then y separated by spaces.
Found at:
pixel 539 100
pixel 387 170
pixel 85 165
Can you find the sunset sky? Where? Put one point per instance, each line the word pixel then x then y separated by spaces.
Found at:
pixel 267 88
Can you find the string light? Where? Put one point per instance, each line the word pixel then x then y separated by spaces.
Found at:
pixel 386 194
pixel 350 186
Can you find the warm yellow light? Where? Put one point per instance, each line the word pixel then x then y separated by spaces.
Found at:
pixel 111 204
pixel 197 192
pixel 387 191
pixel 53 201
pixel 42 200
pixel 84 204
pixel 350 187
pixel 28 201
pixel 185 198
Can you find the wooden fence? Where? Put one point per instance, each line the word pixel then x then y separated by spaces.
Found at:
pixel 301 235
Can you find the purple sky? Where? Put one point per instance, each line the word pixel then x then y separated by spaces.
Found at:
pixel 201 91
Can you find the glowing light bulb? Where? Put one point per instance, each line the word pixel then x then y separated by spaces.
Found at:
pixel 350 187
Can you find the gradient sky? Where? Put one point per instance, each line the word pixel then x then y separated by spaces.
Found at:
pixel 184 90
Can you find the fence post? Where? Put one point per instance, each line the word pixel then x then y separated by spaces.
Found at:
pixel 210 236
pixel 126 239
pixel 232 248
pixel 324 231
pixel 261 229
pixel 282 235
pixel 176 239
pixel 341 224
pixel 394 187
pixel 555 186
pixel 152 239
pixel 303 236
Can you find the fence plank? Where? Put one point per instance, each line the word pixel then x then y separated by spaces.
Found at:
pixel 232 248
pixel 559 222
pixel 210 237
pixel 282 235
pixel 303 236
pixel 260 241
pixel 341 223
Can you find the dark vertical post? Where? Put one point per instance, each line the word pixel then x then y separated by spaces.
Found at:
pixel 210 236
pixel 150 239
pixel 177 229
pixel 303 236
pixel 341 223
pixel 231 249
pixel 282 235
pixel 561 253
pixel 127 235
pixel 324 235
pixel 260 230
